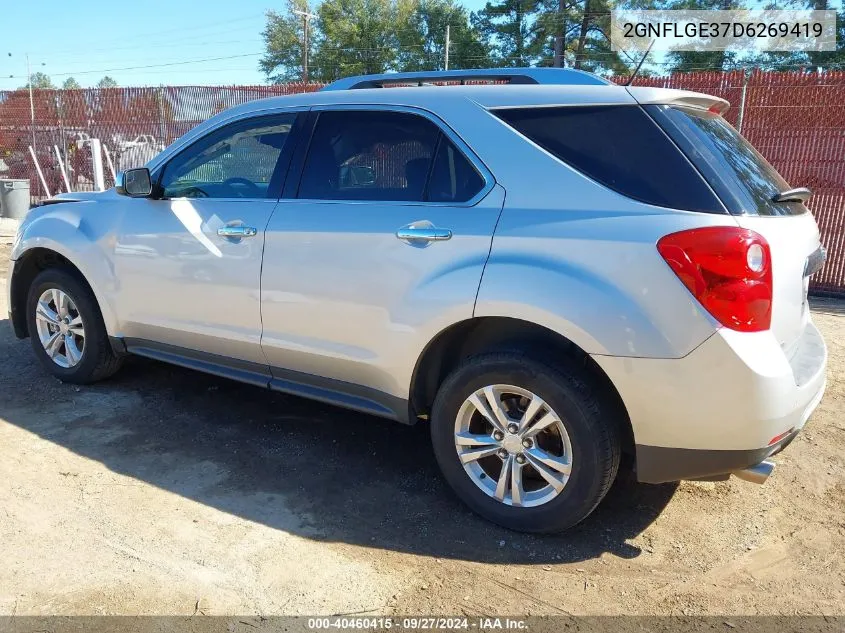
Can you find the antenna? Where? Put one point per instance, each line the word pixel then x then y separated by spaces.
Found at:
pixel 637 69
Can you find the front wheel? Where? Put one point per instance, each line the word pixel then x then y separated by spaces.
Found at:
pixel 66 329
pixel 523 443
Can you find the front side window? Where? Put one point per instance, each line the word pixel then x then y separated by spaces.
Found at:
pixel 622 148
pixel 377 155
pixel 237 161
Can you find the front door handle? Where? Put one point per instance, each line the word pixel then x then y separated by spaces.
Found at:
pixel 423 234
pixel 236 231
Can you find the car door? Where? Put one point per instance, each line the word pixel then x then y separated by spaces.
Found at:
pixel 382 244
pixel 189 262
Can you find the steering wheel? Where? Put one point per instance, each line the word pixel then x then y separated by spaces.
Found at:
pixel 254 189
pixel 193 192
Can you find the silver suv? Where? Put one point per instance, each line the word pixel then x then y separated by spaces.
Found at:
pixel 550 270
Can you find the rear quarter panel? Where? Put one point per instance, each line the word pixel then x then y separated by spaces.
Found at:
pixel 596 278
pixel 580 259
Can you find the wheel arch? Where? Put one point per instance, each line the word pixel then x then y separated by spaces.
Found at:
pixel 479 334
pixel 26 268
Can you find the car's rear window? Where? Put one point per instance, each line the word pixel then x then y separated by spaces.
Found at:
pixel 744 180
pixel 622 148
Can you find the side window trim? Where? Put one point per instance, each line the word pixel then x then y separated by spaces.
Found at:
pixel 296 170
pixel 282 169
pixel 282 164
pixel 300 153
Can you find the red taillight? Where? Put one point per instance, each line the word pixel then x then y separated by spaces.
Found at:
pixel 729 271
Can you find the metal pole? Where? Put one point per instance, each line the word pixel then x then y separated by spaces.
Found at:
pixel 62 167
pixel 32 118
pixel 560 39
pixel 741 115
pixel 161 123
pixel 97 165
pixel 305 17
pixel 38 169
pixel 305 50
pixel 109 162
pixel 60 108
pixel 448 38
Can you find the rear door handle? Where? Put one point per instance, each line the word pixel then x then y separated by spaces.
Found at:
pixel 423 234
pixel 236 231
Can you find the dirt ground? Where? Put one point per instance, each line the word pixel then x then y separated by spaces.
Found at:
pixel 165 491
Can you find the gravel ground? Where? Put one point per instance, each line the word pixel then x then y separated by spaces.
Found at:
pixel 165 491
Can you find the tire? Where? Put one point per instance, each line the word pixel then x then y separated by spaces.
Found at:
pixel 97 359
pixel 593 430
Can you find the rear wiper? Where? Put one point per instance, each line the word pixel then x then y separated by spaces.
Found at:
pixel 801 194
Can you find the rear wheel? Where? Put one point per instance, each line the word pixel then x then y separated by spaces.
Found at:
pixel 523 443
pixel 66 329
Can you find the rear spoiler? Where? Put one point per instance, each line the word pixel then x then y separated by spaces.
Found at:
pixel 669 96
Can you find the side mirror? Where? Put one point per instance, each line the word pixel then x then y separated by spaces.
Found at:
pixel 135 183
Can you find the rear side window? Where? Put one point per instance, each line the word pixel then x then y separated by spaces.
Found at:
pixel 744 180
pixel 385 156
pixel 622 148
pixel 369 156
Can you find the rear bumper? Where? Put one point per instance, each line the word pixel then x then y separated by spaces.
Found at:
pixel 729 404
pixel 658 464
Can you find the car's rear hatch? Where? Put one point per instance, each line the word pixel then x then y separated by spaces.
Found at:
pixel 754 193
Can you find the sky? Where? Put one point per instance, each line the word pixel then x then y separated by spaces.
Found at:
pixel 158 42
pixel 180 42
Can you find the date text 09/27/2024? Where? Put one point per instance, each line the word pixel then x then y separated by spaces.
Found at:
pixel 418 623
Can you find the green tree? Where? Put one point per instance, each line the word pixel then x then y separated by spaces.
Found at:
pixel 40 81
pixel 107 82
pixel 558 22
pixel 775 61
pixel 692 61
pixel 512 30
pixel 576 33
pixel 356 37
pixel 373 36
pixel 697 61
pixel 592 50
pixel 832 60
pixel 827 60
pixel 71 84
pixel 422 41
pixel 283 38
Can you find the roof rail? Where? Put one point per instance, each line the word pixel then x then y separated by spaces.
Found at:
pixel 545 76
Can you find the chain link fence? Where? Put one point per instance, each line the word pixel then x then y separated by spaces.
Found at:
pixel 795 119
pixel 133 124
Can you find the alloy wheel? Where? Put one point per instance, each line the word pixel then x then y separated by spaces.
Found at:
pixel 60 328
pixel 513 445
